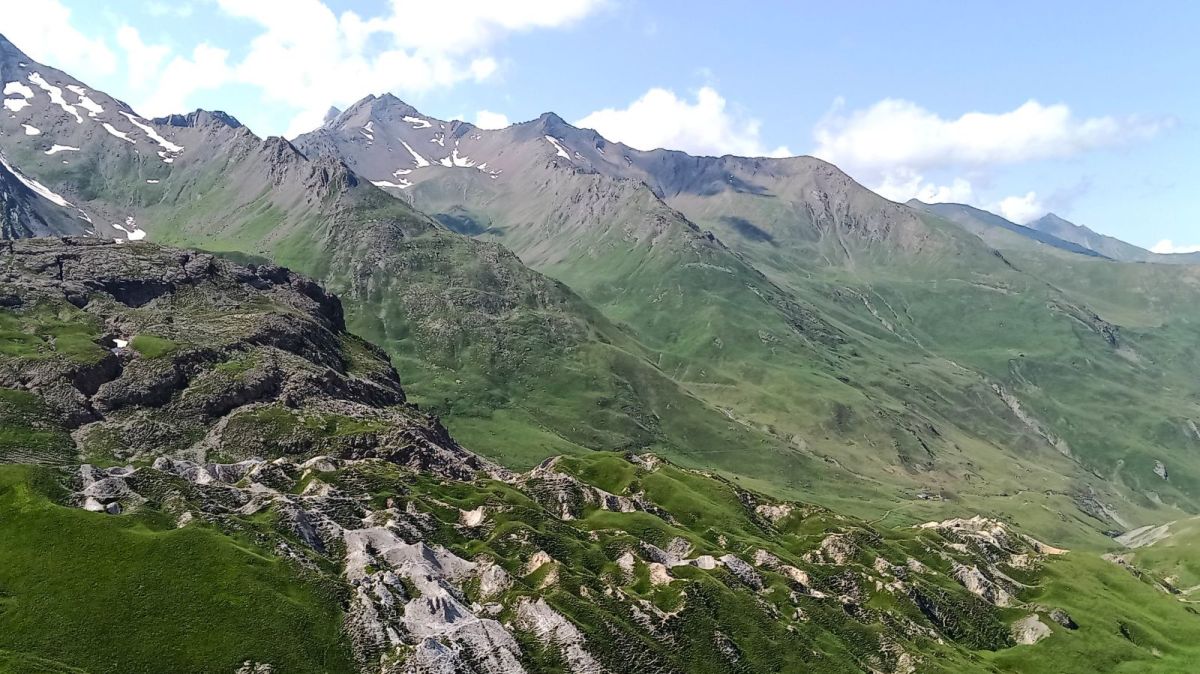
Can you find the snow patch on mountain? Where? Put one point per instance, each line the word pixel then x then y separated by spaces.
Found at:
pixel 40 189
pixel 19 89
pixel 420 161
pixel 32 130
pixel 403 184
pixel 55 149
pixel 417 122
pixel 56 96
pixel 131 229
pixel 154 135
pixel 119 134
pixel 86 103
pixel 461 162
pixel 15 104
pixel 558 146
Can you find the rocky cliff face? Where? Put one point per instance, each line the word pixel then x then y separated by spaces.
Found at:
pixel 141 351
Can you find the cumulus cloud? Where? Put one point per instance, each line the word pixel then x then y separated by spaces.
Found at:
pixel 903 184
pixel 309 57
pixel 43 30
pixel 142 61
pixel 486 119
pixel 1168 247
pixel 661 119
pixel 303 55
pixel 893 145
pixel 897 133
pixel 205 68
pixel 1021 209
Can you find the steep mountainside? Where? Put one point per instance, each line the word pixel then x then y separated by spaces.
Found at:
pixel 825 342
pixel 929 361
pixel 519 361
pixel 27 208
pixel 201 470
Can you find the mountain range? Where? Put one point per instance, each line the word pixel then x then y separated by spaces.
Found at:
pixel 703 342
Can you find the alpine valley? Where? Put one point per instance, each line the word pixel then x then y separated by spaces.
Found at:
pixel 405 395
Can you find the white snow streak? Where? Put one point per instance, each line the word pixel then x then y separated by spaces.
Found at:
pixel 387 183
pixel 418 123
pixel 61 148
pixel 558 146
pixel 34 185
pixel 420 161
pixel 56 96
pixel 132 231
pixel 119 134
pixel 15 104
pixel 149 131
pixel 32 130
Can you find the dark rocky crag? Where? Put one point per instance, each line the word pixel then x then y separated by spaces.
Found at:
pixel 142 351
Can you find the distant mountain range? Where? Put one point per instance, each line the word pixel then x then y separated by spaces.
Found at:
pixel 764 325
pixel 1053 231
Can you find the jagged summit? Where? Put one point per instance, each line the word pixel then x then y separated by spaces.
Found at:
pixel 198 118
pixel 386 107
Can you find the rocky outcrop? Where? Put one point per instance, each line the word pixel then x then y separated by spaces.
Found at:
pixel 551 628
pixel 1030 630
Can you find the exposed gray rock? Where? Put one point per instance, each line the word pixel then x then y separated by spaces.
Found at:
pixel 1063 618
pixel 1030 630
pixel 743 571
pixel 1160 469
pixel 550 627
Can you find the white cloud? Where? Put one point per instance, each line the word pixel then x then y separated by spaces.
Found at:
pixel 661 119
pixel 471 24
pixel 142 61
pixel 904 184
pixel 1167 247
pixel 1020 209
pixel 304 55
pixel 43 30
pixel 308 57
pixel 206 68
pixel 896 133
pixel 486 119
pixel 893 145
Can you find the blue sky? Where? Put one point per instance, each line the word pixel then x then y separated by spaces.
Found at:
pixel 1088 109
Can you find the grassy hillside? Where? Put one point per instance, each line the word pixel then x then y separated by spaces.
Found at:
pixel 135 594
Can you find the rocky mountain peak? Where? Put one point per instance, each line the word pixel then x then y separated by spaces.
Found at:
pixel 199 118
pixel 386 107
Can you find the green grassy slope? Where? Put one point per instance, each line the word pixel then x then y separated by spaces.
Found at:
pixel 133 594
